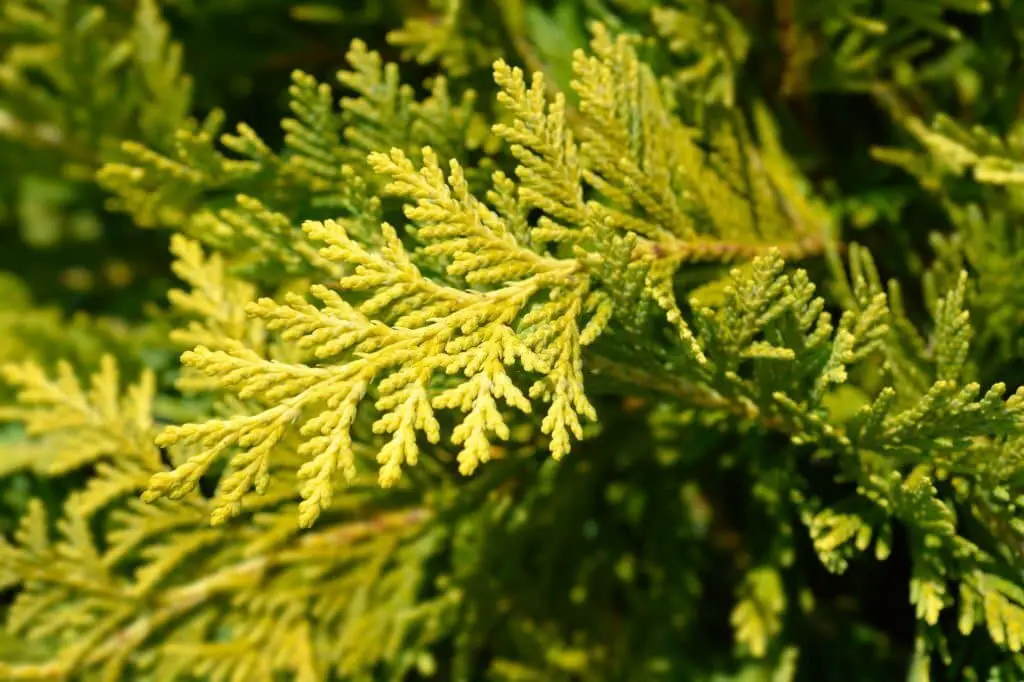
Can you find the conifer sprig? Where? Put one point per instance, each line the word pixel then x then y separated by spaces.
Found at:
pixel 389 328
pixel 405 318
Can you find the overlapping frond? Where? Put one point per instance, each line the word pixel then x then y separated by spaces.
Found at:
pixel 158 595
pixel 391 330
pixel 976 175
pixel 863 41
pixel 70 426
pixel 155 583
pixel 78 74
pixel 452 34
pixel 320 172
pixel 392 318
pixel 710 42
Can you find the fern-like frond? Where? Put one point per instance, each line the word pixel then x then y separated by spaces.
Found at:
pixel 452 34
pixel 70 425
pixel 215 304
pixel 461 332
pixel 709 41
pixel 320 173
pixel 976 175
pixel 81 76
pixel 392 330
pixel 159 589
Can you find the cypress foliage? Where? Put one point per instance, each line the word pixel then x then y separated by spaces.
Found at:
pixel 533 340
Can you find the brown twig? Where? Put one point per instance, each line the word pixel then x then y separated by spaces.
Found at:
pixel 679 389
pixel 720 251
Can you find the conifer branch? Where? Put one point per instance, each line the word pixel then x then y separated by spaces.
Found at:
pixel 385 436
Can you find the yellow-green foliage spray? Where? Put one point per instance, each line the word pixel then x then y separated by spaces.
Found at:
pixel 541 341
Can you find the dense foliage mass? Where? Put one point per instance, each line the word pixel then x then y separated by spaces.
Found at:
pixel 541 340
